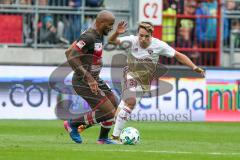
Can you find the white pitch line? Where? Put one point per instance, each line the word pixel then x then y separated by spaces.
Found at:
pixel 166 152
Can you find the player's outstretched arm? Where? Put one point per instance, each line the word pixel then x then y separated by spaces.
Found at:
pixel 121 28
pixel 186 61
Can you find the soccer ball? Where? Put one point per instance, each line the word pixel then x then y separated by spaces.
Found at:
pixel 129 136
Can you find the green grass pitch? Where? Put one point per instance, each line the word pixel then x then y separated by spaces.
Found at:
pixel 47 140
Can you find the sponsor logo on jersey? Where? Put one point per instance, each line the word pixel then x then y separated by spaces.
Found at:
pixel 150 51
pixel 143 60
pixel 81 44
pixel 98 46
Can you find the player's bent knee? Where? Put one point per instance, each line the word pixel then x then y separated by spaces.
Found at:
pixel 112 113
pixel 130 102
pixel 112 98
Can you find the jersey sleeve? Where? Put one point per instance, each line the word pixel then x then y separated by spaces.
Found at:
pixel 85 44
pixel 130 39
pixel 167 50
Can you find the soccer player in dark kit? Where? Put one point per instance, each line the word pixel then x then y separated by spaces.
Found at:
pixel 84 56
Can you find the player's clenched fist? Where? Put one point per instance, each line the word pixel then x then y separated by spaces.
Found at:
pixel 199 70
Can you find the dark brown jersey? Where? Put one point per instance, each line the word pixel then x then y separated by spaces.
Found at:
pixel 90 47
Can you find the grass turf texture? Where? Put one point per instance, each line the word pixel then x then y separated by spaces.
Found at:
pixel 47 140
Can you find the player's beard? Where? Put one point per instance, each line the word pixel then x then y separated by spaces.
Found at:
pixel 106 31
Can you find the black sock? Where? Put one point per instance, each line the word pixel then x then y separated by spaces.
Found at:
pixel 104 133
pixel 88 126
pixel 99 117
pixel 77 122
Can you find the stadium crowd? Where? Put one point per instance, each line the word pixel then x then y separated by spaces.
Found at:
pixel 186 23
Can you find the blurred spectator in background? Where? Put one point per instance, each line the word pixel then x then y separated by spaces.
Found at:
pixel 48 33
pixel 169 23
pixel 87 23
pixel 236 28
pixel 94 3
pixel 206 28
pixel 24 2
pixel 72 23
pixel 60 27
pixel 186 25
pixel 232 5
pixel 69 26
pixel 58 2
pixel 185 34
pixel 75 3
pixel 180 6
pixel 88 20
pixel 5 1
pixel 28 21
pixel 42 2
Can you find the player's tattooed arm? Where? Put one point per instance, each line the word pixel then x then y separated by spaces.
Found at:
pixel 186 61
pixel 74 60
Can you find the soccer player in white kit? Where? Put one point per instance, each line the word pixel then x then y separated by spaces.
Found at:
pixel 142 60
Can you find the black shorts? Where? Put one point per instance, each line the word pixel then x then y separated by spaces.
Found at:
pixel 83 90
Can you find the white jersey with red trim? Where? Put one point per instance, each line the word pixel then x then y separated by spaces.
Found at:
pixel 152 52
pixel 142 62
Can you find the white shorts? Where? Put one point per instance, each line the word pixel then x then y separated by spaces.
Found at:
pixel 130 89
